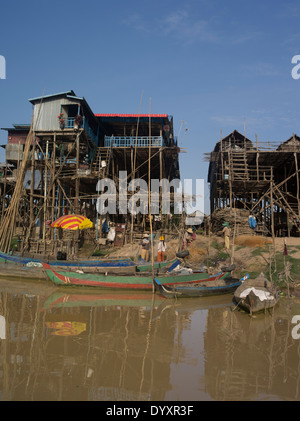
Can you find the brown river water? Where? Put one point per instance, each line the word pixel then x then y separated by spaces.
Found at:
pixel 86 345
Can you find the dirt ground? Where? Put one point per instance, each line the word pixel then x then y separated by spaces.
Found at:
pixel 248 253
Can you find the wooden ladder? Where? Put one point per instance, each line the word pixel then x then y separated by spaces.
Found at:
pixel 239 165
pixel 100 164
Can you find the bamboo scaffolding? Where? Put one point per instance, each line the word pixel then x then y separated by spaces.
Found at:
pixel 8 222
pixel 53 178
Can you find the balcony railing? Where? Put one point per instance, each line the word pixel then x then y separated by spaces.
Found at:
pixel 128 141
pixel 70 122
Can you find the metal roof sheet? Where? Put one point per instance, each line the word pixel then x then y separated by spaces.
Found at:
pixel 131 115
pixel 52 95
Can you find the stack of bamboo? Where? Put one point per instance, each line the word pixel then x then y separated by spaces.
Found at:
pixel 8 223
pixel 238 218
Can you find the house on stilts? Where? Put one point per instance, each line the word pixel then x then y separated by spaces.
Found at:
pixel 257 178
pixel 71 149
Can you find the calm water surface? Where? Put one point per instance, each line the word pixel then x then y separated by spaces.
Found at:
pixel 73 344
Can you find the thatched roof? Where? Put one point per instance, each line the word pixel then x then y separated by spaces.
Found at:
pixel 290 144
pixel 235 140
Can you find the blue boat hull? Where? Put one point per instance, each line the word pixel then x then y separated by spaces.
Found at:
pixel 225 286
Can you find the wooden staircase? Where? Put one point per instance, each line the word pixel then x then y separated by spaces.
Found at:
pixel 239 165
pixel 101 161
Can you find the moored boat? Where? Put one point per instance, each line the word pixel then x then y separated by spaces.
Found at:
pixel 204 288
pixel 17 266
pixel 125 282
pixel 13 258
pixel 255 295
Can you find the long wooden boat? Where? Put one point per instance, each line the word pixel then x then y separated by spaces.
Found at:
pixel 16 266
pixel 17 271
pixel 12 258
pixel 124 282
pixel 202 289
pixel 255 295
pixel 143 266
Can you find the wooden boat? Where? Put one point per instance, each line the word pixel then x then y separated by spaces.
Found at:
pixel 12 258
pixel 19 271
pixel 124 282
pixel 16 266
pixel 204 288
pixel 256 295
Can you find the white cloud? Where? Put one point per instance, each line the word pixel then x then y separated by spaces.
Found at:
pixel 228 120
pixel 188 27
pixel 137 22
pixel 180 25
pixel 261 69
pixel 245 37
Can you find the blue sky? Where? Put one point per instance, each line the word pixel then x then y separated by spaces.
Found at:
pixel 213 65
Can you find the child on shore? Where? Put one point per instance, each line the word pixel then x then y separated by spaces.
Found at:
pixel 161 249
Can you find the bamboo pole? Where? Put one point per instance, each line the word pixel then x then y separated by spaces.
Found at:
pixel 272 218
pixel 53 187
pixel 149 195
pixel 45 190
pixel 32 181
pixel 209 237
pixel 134 165
pixel 234 235
pixel 77 180
pixel 277 186
pixel 55 175
pixel 296 167
pixel 222 160
pixel 230 174
pixel 9 221
pixel 257 159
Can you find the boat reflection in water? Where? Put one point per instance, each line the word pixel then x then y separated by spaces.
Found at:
pixel 66 328
pixel 78 345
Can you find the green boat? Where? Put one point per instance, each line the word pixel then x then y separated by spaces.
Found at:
pixel 125 282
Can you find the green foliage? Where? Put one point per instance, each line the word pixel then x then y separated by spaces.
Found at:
pixel 216 245
pixel 104 251
pixel 293 250
pixel 259 250
pixel 14 244
pixel 278 266
pixel 278 269
pixel 223 255
pixel 252 274
pixel 100 252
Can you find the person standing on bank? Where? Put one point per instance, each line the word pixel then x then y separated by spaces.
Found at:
pixel 226 231
pixel 161 249
pixel 187 238
pixel 145 248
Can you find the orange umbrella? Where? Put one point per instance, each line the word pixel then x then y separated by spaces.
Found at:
pixel 72 222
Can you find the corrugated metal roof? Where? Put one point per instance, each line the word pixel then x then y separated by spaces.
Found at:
pixel 21 127
pixel 52 95
pixel 131 115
